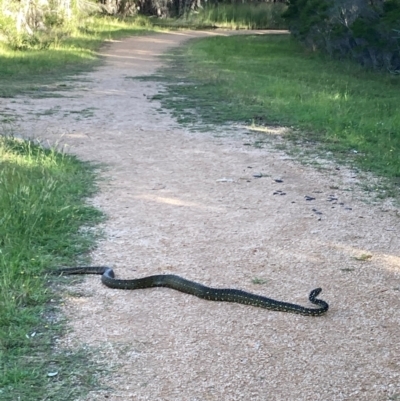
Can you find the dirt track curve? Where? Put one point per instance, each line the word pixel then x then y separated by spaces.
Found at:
pixel 189 204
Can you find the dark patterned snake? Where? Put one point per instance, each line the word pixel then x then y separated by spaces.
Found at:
pixel 199 290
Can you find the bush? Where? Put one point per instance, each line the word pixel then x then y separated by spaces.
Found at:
pixel 365 31
pixel 35 25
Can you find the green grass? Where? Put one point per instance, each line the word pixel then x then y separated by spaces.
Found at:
pixel 42 211
pixel 270 79
pixel 39 70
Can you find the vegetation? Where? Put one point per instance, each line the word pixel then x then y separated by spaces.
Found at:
pixel 181 8
pixel 42 212
pixel 367 31
pixel 239 16
pixel 55 42
pixel 270 79
pixel 35 67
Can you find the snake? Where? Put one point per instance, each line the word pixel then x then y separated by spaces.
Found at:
pixel 201 291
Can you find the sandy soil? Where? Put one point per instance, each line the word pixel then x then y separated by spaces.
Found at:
pixel 189 204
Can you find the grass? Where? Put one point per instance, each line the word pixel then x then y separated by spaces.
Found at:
pixel 42 211
pixel 232 16
pixel 334 106
pixel 38 71
pixel 243 16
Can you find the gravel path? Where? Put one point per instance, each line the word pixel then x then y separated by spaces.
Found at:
pixel 210 209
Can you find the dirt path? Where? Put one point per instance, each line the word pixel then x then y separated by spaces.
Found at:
pixel 188 204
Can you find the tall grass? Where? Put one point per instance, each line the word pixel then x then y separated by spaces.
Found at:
pixel 42 210
pixel 243 15
pixel 229 16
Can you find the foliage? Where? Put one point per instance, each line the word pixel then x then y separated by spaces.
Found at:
pixel 28 24
pixel 241 15
pixel 178 8
pixel 367 31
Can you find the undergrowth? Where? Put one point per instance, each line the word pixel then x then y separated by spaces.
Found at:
pixel 231 16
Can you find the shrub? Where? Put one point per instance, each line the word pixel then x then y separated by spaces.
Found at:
pixel 366 31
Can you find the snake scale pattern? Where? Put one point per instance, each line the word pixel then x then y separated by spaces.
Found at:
pixel 199 290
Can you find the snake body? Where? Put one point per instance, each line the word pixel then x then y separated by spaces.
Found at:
pixel 201 291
